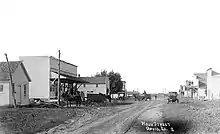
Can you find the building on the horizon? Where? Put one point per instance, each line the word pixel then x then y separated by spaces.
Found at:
pixel 200 83
pixel 96 85
pixel 124 88
pixel 213 84
pixel 205 85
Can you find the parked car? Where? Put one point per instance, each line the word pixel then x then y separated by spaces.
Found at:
pixel 147 97
pixel 172 97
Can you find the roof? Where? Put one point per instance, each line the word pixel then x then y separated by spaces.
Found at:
pixel 63 61
pixel 201 75
pixel 70 80
pixel 215 73
pixel 4 72
pixel 132 92
pixel 95 80
pixel 52 58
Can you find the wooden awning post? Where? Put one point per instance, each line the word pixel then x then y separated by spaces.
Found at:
pixel 79 86
pixel 76 88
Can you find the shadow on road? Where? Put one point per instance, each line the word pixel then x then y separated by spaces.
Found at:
pixel 179 126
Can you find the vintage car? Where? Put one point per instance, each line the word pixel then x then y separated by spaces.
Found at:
pixel 147 97
pixel 172 97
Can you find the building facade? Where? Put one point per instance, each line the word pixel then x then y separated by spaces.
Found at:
pixel 96 85
pixel 20 80
pixel 213 84
pixel 200 82
pixel 44 73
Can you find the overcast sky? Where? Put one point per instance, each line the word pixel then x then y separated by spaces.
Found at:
pixel 153 44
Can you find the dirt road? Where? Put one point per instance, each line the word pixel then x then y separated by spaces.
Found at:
pixel 117 123
pixel 149 122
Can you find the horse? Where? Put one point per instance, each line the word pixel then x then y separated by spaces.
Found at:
pixel 108 97
pixel 70 98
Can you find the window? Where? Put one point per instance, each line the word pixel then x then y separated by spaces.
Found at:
pixel 25 90
pixel 97 85
pixel 84 85
pixel 1 88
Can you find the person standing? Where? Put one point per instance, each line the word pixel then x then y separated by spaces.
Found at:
pixel 78 98
pixel 82 95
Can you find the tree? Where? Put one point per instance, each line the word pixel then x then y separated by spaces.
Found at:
pixel 101 74
pixel 116 84
pixel 104 73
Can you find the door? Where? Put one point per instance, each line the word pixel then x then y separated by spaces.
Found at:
pixel 18 94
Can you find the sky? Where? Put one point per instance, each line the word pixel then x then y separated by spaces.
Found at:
pixel 153 44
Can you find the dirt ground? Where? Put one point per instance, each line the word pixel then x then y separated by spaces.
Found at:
pixel 33 120
pixel 196 116
pixel 188 116
pixel 112 124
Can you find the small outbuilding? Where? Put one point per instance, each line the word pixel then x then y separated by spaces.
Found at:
pixel 21 82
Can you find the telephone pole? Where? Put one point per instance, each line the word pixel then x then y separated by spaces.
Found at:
pixel 59 79
pixel 11 82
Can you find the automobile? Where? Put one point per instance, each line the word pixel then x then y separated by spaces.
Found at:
pixel 147 97
pixel 172 97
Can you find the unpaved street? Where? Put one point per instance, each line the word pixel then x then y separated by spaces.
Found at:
pixel 117 123
pixel 149 117
pixel 153 115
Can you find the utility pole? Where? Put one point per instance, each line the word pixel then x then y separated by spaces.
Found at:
pixel 11 82
pixel 59 79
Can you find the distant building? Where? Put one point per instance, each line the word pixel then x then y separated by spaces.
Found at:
pixel 208 84
pixel 96 85
pixel 21 82
pixel 187 89
pixel 131 93
pixel 124 88
pixel 213 84
pixel 200 82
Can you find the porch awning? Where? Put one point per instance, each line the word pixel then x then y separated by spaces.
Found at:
pixel 70 79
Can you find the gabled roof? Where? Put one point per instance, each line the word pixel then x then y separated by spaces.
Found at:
pixel 13 66
pixel 202 84
pixel 215 73
pixel 4 72
pixel 201 76
pixel 95 80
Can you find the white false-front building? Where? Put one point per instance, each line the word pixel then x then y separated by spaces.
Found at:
pixel 44 73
